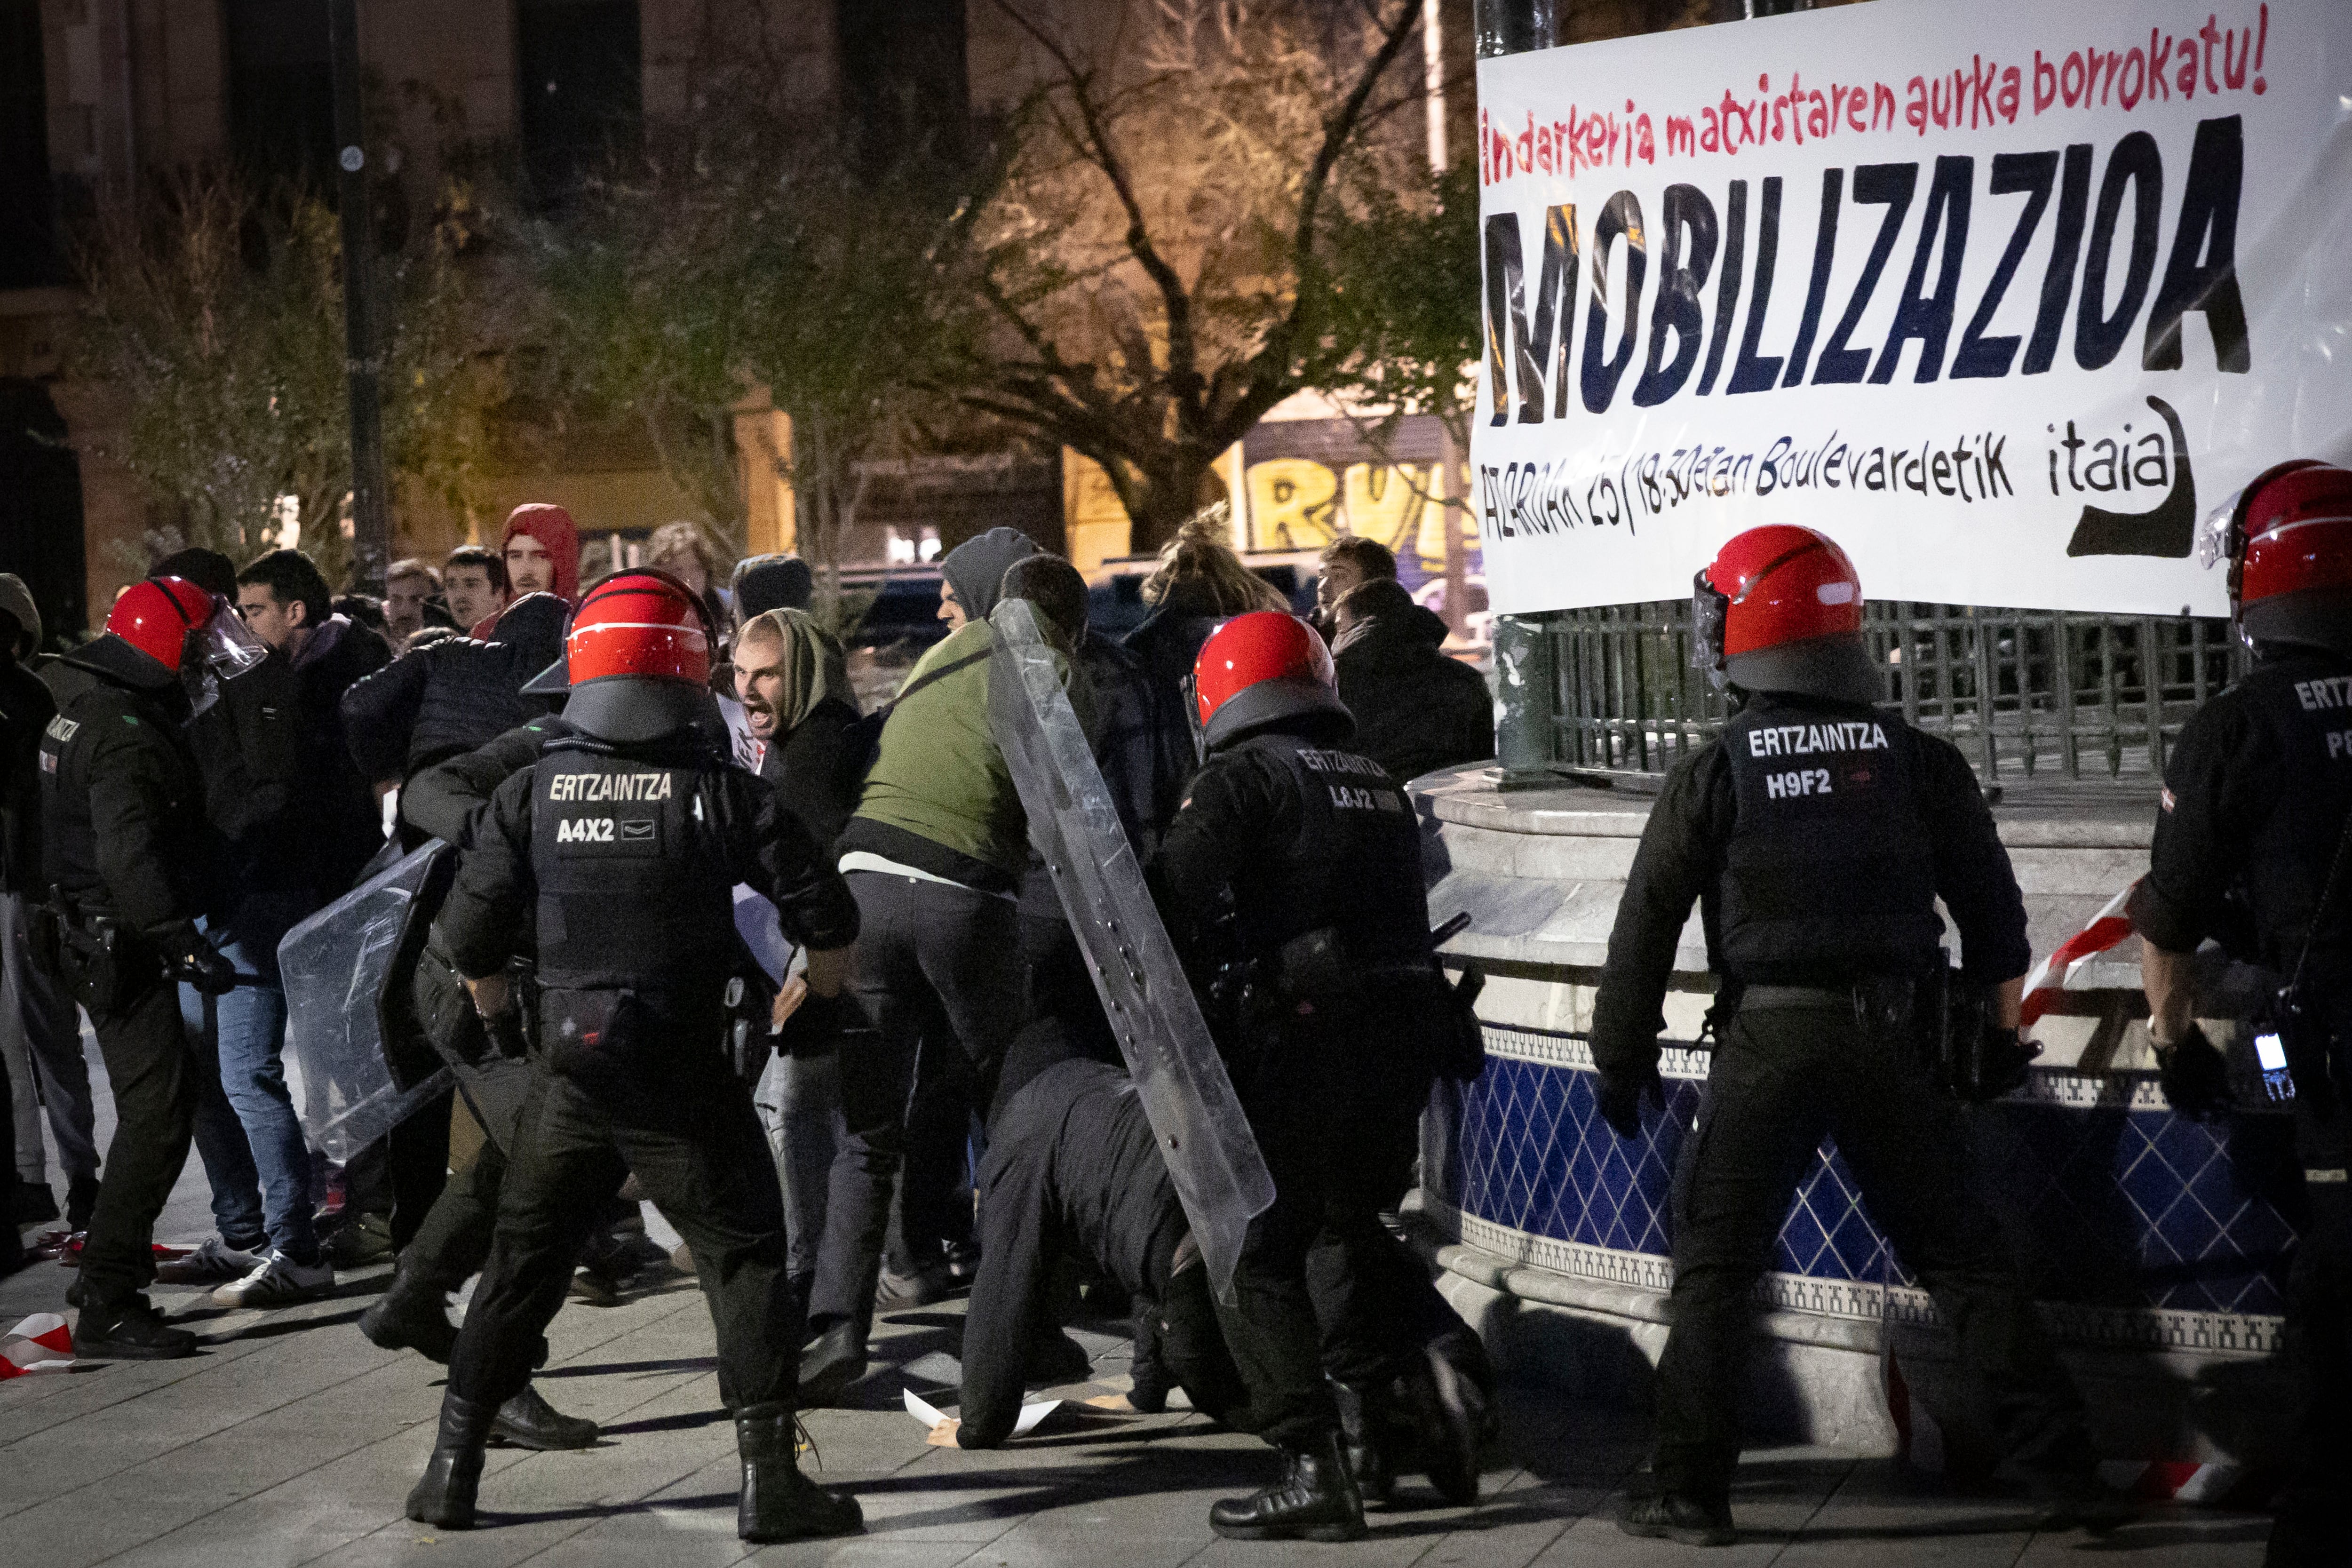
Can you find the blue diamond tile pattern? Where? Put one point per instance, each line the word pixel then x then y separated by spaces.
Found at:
pixel 2105 1204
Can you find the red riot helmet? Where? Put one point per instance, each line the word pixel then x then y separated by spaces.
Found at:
pixel 1779 609
pixel 1260 669
pixel 168 626
pixel 637 659
pixel 155 616
pixel 2287 537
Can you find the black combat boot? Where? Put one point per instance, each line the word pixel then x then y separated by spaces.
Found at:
pixel 412 1314
pixel 1360 1438
pixel 444 1495
pixel 528 1421
pixel 779 1502
pixel 1315 1500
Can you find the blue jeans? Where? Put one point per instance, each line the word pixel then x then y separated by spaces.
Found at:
pixel 248 1026
pixel 220 1136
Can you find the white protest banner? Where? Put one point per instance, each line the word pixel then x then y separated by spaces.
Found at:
pixel 2005 297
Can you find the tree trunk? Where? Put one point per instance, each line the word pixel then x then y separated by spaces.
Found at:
pixel 1162 499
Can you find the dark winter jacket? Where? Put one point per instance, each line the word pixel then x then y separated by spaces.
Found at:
pixel 812 770
pixel 247 743
pixel 452 695
pixel 1140 739
pixel 447 801
pixel 1415 709
pixel 332 827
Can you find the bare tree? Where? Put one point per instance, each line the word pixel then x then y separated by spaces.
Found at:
pixel 220 316
pixel 1151 257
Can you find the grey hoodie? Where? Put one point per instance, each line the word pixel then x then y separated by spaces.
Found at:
pixel 975 569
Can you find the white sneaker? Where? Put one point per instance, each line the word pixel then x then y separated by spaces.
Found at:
pixel 279 1281
pixel 210 1264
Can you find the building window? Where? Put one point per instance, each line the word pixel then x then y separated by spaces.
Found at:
pixel 903 71
pixel 580 75
pixel 28 246
pixel 281 96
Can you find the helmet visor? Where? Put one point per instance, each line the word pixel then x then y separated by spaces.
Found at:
pixel 1710 610
pixel 2214 544
pixel 226 644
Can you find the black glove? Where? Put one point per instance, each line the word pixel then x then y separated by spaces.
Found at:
pixel 817 1024
pixel 1620 1096
pixel 1997 1065
pixel 194 961
pixel 506 1035
pixel 2194 1077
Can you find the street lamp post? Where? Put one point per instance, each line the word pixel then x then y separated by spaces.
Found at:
pixel 362 358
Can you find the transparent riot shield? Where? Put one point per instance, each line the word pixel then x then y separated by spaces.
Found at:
pixel 1219 1175
pixel 334 967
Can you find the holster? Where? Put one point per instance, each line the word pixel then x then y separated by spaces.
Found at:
pixel 98 960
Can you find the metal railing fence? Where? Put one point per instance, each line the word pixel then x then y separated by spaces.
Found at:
pixel 2026 694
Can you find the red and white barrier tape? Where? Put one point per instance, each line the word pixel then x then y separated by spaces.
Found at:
pixel 2044 986
pixel 42 1343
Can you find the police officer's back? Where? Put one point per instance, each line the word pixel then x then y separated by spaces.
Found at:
pixel 1816 834
pixel 1318 852
pixel 627 838
pixel 124 845
pixel 2250 850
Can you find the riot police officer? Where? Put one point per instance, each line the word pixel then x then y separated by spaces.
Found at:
pixel 1816 833
pixel 626 838
pixel 1331 1047
pixel 124 847
pixel 2250 849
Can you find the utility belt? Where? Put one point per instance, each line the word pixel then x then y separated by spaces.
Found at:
pixel 103 962
pixel 1942 1020
pixel 1405 996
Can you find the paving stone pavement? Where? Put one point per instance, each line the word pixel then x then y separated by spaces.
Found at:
pixel 291 1440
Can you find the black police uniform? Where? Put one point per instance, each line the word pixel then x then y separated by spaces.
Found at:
pixel 1816 836
pixel 2257 795
pixel 629 856
pixel 124 845
pixel 1331 1054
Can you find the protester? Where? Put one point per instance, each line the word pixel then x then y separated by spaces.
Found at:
pixel 1415 709
pixel 934 853
pixel 790 676
pixel 1348 563
pixel 454 695
pixel 474 579
pixel 764 583
pixel 540 549
pixel 40 1034
pixel 684 551
pixel 330 829
pixel 1200 580
pixel 409 588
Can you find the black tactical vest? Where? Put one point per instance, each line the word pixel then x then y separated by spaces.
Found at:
pixel 87 704
pixel 633 890
pixel 1829 874
pixel 2307 704
pixel 1352 863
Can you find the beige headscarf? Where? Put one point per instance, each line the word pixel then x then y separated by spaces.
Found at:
pixel 814 666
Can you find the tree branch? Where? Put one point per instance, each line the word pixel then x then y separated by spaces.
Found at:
pixel 1183 363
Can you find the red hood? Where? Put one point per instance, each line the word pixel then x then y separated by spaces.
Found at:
pixel 557 535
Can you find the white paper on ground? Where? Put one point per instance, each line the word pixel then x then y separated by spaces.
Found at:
pixel 922 1410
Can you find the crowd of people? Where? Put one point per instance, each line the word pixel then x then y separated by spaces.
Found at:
pixel 920 1088
pixel 242 746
